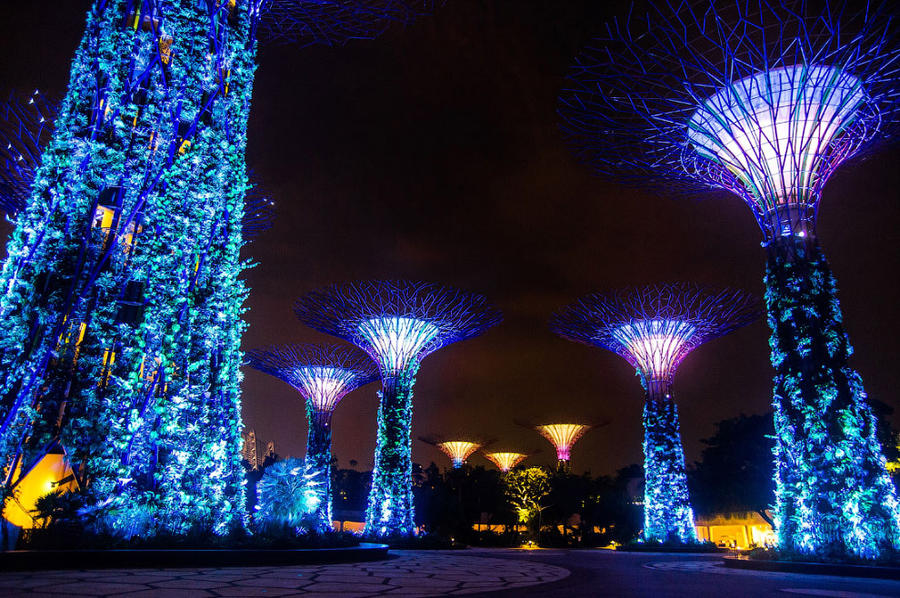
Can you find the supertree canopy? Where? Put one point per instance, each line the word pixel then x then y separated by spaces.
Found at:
pixel 398 323
pixel 654 328
pixel 563 437
pixel 323 375
pixel 505 460
pixel 122 301
pixel 458 451
pixel 766 100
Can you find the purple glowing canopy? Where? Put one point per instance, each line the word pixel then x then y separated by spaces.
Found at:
pixel 763 99
pixel 655 327
pixel 397 322
pixel 322 374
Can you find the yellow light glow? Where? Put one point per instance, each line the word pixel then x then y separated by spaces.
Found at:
pixel 458 450
pixel 505 461
pixel 42 479
pixel 563 436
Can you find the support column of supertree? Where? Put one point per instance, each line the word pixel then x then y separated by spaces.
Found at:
pixel 654 328
pixel 323 375
pixel 398 323
pixel 766 100
pixel 563 437
pixel 122 300
pixel 505 460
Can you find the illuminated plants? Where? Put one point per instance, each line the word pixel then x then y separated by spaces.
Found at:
pixel 322 375
pixel 766 101
pixel 122 297
pixel 563 437
pixel 654 328
pixel 505 460
pixel 398 323
pixel 289 494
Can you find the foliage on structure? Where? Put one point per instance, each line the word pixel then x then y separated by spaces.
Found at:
pixel 766 101
pixel 398 323
pixel 122 300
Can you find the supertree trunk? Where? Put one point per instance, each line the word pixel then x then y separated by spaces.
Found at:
pixel 390 507
pixel 668 516
pixel 122 301
pixel 318 459
pixel 833 494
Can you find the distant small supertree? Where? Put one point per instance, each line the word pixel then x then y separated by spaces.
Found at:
pixel 398 323
pixel 458 451
pixel 323 375
pixel 505 460
pixel 654 328
pixel 766 100
pixel 563 437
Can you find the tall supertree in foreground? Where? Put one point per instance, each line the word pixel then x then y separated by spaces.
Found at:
pixel 398 323
pixel 122 302
pixel 766 100
pixel 654 328
pixel 323 375
pixel 505 460
pixel 563 437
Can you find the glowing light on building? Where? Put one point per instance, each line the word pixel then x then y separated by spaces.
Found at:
pixel 766 100
pixel 563 437
pixel 654 328
pixel 458 450
pixel 656 346
pixel 398 323
pixel 397 341
pixel 505 461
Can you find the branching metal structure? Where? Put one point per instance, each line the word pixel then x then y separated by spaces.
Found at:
pixel 505 460
pixel 25 129
pixel 121 301
pixel 323 375
pixel 563 437
pixel 654 328
pixel 398 323
pixel 766 101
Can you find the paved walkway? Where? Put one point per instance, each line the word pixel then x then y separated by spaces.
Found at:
pixel 408 574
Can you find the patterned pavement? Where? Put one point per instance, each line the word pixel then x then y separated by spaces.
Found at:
pixel 409 574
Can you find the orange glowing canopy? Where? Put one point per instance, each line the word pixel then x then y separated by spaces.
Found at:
pixel 563 436
pixel 505 461
pixel 458 450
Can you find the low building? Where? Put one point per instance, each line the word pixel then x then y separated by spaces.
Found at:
pixel 735 530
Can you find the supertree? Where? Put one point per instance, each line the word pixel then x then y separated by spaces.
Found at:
pixel 505 460
pixel 766 100
pixel 323 375
pixel 654 328
pixel 122 301
pixel 563 437
pixel 398 323
pixel 458 451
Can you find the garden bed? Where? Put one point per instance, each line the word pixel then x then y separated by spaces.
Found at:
pixel 185 557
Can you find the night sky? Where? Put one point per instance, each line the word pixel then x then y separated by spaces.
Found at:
pixel 434 153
